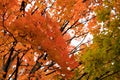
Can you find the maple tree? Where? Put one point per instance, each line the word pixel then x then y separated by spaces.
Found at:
pixel 26 34
pixel 35 42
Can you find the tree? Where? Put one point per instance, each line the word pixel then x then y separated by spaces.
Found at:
pixel 34 40
pixel 101 60
pixel 27 37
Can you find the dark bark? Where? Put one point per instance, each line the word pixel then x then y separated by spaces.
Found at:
pixel 17 66
pixel 84 74
pixel 7 64
pixel 23 5
pixel 64 26
pixel 70 27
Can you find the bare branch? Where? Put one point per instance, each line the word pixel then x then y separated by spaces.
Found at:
pixel 17 66
pixel 64 26
pixel 76 36
pixel 51 72
pixel 44 10
pixel 75 49
pixel 7 64
pixel 34 10
pixel 36 66
pixel 101 78
pixel 84 74
pixel 3 24
pixel 70 27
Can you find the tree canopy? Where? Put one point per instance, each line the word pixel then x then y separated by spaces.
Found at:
pixel 37 39
pixel 102 59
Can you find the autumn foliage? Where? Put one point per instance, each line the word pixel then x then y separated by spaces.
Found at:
pixel 35 42
pixel 26 33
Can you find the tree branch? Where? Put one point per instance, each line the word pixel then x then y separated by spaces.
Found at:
pixel 7 64
pixel 75 49
pixel 70 27
pixel 84 74
pixel 50 72
pixel 17 66
pixel 101 78
pixel 36 66
pixel 64 25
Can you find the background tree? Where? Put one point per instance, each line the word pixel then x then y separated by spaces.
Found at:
pixel 101 60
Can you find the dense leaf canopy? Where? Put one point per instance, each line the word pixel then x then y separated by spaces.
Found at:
pixel 59 39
